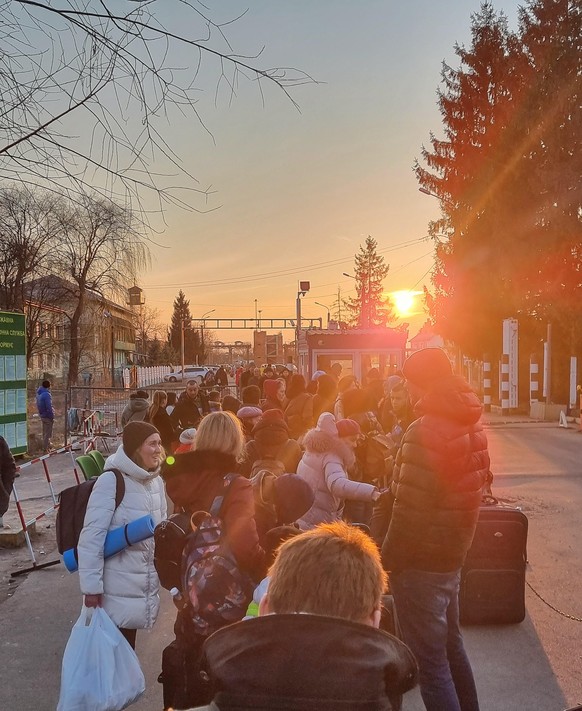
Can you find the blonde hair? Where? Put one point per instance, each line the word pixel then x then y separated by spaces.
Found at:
pixel 220 432
pixel 333 569
pixel 157 399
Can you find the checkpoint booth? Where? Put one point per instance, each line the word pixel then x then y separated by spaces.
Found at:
pixel 357 351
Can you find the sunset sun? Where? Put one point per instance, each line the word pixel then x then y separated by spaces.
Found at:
pixel 403 302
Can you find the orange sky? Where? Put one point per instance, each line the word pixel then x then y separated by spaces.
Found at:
pixel 297 192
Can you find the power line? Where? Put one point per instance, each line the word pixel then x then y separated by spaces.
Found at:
pixel 280 273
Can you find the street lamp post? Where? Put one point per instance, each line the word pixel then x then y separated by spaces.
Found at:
pixel 202 332
pixel 304 287
pixel 182 320
pixel 325 307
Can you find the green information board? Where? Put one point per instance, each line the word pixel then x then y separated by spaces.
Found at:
pixel 13 422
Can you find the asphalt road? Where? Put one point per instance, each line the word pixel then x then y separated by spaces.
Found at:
pixel 534 666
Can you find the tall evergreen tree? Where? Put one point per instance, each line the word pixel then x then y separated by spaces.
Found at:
pixel 508 177
pixel 551 32
pixel 470 172
pixel 154 352
pixel 181 313
pixel 369 308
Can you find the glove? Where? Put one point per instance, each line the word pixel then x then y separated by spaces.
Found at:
pixel 93 600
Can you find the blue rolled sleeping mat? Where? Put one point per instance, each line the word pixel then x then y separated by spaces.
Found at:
pixel 116 540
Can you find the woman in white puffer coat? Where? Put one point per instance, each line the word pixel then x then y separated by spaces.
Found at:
pixel 329 452
pixel 126 584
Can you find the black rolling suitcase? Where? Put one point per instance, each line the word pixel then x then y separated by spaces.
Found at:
pixel 492 588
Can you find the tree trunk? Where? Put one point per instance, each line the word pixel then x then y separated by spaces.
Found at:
pixel 75 354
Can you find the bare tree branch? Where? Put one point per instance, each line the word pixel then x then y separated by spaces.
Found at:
pixel 90 92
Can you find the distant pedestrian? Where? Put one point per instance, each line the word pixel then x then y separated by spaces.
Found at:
pixel 171 399
pixel 336 371
pixel 230 403
pixel 251 395
pixel 191 407
pixel 274 392
pixel 160 419
pixel 136 409
pixel 325 396
pixel 44 404
pixel 7 474
pixel 245 376
pixel 249 415
pixel 255 379
pixel 271 446
pixel 345 384
pixel 214 401
pixel 299 407
pixel 186 441
pixel 221 378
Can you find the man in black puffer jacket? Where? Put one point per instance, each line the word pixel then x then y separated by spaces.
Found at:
pixel 427 525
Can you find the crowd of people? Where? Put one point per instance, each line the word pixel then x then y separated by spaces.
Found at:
pixel 332 493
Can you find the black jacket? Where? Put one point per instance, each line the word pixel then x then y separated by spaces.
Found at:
pixel 440 469
pixel 188 412
pixel 163 423
pixel 7 474
pixel 307 662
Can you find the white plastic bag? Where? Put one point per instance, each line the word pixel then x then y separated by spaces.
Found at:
pixel 100 671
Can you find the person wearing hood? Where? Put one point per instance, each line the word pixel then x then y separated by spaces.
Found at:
pixel 299 408
pixel 271 442
pixel 249 415
pixel 274 392
pixel 44 404
pixel 427 525
pixel 326 395
pixel 279 501
pixel 329 453
pixel 136 409
pixel 316 642
pixel 125 585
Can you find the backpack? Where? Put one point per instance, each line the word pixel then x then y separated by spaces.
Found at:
pixel 73 506
pixel 267 464
pixel 218 592
pixel 263 505
pixel 169 540
pixel 374 456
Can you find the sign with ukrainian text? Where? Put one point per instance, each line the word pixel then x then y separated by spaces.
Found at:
pixel 13 422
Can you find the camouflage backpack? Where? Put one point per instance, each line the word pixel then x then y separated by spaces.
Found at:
pixel 218 592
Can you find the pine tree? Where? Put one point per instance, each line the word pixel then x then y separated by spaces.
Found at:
pixel 169 356
pixel 472 173
pixel 154 352
pixel 551 32
pixel 369 308
pixel 181 314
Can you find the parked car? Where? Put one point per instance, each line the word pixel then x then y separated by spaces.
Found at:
pixel 191 372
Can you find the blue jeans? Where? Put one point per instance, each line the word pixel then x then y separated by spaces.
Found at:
pixel 428 611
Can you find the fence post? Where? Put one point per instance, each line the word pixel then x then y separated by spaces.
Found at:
pixel 505 384
pixel 486 383
pixel 534 385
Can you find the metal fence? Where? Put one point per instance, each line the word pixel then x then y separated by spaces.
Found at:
pixel 104 406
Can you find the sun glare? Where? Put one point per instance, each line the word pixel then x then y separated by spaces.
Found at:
pixel 403 302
